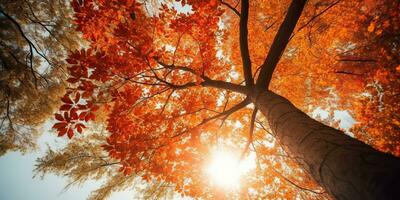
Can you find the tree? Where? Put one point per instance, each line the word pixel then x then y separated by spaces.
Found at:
pixel 34 41
pixel 84 159
pixel 173 80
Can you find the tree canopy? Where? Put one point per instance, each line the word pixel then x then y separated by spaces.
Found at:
pixel 173 81
pixel 35 38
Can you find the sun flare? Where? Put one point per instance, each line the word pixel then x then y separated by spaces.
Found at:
pixel 225 168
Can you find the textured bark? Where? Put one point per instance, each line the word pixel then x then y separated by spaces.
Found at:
pixel 345 167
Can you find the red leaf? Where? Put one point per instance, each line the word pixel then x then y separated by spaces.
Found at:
pixel 89 116
pixel 92 116
pixel 86 94
pixel 60 125
pixel 82 115
pixel 82 107
pixel 66 99
pixel 89 104
pixel 77 97
pixel 66 116
pixel 79 127
pixel 95 107
pixel 70 133
pixel 74 114
pixel 66 107
pixel 59 117
pixel 62 132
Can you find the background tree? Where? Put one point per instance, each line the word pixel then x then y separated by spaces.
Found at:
pixel 171 87
pixel 34 40
pixel 84 159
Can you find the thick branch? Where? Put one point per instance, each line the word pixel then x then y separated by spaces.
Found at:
pixel 280 41
pixel 207 81
pixel 225 85
pixel 244 46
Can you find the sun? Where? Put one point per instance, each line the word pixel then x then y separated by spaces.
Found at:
pixel 225 168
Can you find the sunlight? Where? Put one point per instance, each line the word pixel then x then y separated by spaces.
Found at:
pixel 225 170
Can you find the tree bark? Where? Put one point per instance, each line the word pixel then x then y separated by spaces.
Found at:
pixel 345 167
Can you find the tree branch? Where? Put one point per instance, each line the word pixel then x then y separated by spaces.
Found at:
pixel 244 47
pixel 166 101
pixel 296 185
pixel 207 81
pixel 231 7
pixel 250 138
pixel 228 112
pixel 346 72
pixel 31 45
pixel 314 17
pixel 357 60
pixel 280 42
pixel 225 85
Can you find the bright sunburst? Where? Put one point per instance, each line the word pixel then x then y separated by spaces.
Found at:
pixel 225 168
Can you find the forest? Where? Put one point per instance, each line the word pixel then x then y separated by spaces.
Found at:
pixel 205 99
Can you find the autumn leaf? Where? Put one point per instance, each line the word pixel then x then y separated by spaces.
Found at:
pixel 371 27
pixel 66 99
pixel 59 117
pixel 70 133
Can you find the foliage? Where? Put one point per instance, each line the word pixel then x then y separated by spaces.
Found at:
pixel 34 40
pixel 168 84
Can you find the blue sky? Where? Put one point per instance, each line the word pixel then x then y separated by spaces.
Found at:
pixel 17 182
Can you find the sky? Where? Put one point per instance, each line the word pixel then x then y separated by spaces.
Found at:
pixel 17 182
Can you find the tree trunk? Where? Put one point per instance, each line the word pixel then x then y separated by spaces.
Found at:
pixel 345 167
